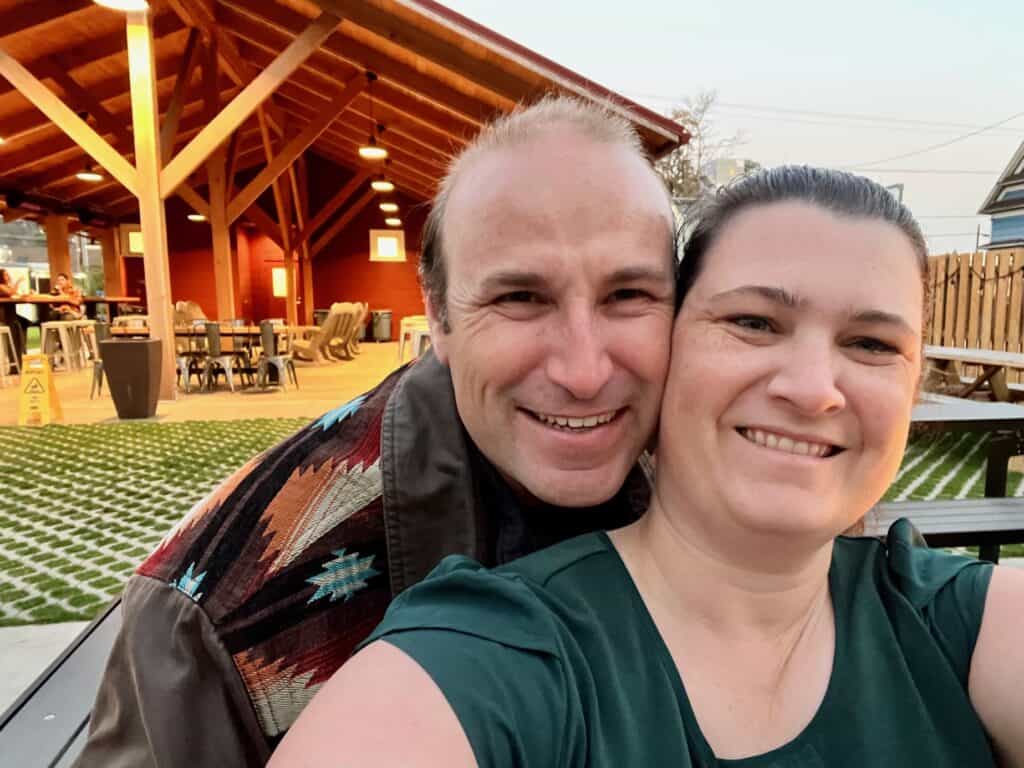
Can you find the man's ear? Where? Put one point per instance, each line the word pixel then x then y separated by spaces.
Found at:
pixel 438 337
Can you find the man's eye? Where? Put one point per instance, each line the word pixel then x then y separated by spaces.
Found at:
pixel 518 297
pixel 628 294
pixel 874 346
pixel 751 322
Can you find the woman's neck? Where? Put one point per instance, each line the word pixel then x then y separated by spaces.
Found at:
pixel 730 582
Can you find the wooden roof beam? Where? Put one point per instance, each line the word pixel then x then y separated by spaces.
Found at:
pixel 172 116
pixel 295 148
pixel 269 24
pixel 342 221
pixel 333 205
pixel 479 71
pixel 243 105
pixel 82 99
pixel 75 127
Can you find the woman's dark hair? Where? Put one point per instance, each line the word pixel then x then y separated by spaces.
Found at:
pixel 836 191
pixel 4 275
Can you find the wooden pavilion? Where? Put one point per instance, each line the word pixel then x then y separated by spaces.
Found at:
pixel 249 113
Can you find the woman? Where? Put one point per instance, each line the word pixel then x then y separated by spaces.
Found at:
pixel 733 624
pixel 9 289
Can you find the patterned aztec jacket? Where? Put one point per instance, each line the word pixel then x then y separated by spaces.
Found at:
pixel 262 591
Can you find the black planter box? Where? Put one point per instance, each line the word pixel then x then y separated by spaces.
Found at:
pixel 132 367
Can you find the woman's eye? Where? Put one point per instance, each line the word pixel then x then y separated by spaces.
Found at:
pixel 874 346
pixel 752 322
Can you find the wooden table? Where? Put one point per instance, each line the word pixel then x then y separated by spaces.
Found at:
pixel 993 363
pixel 88 302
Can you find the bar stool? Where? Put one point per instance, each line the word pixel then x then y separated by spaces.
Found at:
pixel 84 333
pixel 60 333
pixel 8 355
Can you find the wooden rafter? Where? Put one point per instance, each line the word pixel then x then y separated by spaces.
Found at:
pixel 294 148
pixel 172 117
pixel 243 105
pixel 342 221
pixel 80 132
pixel 266 225
pixel 27 15
pixel 82 99
pixel 333 205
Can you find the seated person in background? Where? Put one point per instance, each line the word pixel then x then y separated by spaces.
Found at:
pixel 734 622
pixel 72 309
pixel 547 266
pixel 9 316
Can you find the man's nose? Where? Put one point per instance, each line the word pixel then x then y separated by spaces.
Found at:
pixel 578 360
pixel 807 377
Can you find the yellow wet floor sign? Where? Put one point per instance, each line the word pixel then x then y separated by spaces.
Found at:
pixel 39 402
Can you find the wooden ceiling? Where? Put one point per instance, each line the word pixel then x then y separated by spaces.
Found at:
pixel 440 77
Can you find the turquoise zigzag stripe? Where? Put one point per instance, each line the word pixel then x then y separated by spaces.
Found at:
pixel 340 413
pixel 188 583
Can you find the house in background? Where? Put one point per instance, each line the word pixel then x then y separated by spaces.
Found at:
pixel 1005 204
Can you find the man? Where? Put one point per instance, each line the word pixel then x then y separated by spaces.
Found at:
pixel 547 270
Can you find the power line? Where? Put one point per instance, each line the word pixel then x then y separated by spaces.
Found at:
pixel 962 137
pixel 932 171
pixel 947 216
pixel 957 234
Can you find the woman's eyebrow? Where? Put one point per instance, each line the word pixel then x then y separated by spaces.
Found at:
pixel 770 292
pixel 877 316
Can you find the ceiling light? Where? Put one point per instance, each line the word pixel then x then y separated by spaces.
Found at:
pixel 392 221
pixel 1 139
pixel 372 151
pixel 124 5
pixel 382 185
pixel 196 217
pixel 89 174
pixel 389 207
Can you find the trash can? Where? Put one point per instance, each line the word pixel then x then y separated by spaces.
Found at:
pixel 132 368
pixel 381 324
pixel 319 315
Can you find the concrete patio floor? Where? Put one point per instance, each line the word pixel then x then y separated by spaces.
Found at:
pixel 321 388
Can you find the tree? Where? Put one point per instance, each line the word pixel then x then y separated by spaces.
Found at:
pixel 685 170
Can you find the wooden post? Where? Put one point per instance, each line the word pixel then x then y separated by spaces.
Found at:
pixel 113 266
pixel 57 250
pixel 145 123
pixel 216 170
pixel 301 184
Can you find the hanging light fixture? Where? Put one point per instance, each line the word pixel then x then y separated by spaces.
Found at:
pixel 90 173
pixel 389 207
pixel 382 185
pixel 196 217
pixel 124 5
pixel 393 221
pixel 371 150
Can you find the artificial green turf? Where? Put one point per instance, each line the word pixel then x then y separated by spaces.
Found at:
pixel 82 505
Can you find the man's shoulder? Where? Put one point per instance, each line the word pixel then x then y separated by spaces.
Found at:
pixel 315 492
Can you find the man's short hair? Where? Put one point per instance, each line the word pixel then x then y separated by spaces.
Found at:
pixel 591 120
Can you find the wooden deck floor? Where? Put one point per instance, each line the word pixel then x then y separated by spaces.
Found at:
pixel 321 387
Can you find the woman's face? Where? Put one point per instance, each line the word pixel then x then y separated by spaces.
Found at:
pixel 60 282
pixel 795 361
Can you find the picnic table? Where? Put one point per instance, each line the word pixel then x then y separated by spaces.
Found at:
pixel 993 365
pixel 987 522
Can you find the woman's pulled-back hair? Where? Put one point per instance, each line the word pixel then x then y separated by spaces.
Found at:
pixel 838 192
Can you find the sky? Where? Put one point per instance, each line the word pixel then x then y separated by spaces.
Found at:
pixel 895 77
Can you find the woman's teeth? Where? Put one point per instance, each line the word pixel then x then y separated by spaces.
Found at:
pixel 786 444
pixel 573 422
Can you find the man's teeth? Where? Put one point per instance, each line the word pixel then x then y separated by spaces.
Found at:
pixel 570 422
pixel 786 444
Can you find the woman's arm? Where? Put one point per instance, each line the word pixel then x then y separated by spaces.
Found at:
pixel 380 709
pixel 996 683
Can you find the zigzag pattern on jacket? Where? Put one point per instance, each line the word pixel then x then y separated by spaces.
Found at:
pixel 288 557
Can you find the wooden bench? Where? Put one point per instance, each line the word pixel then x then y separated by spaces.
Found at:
pixel 48 724
pixel 986 522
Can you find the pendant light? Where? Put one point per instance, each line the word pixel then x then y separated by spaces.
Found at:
pixel 393 221
pixel 90 173
pixel 123 5
pixel 389 207
pixel 372 150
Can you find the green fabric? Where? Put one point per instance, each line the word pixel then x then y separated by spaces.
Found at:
pixel 553 660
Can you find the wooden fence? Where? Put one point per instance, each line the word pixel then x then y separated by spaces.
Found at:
pixel 977 301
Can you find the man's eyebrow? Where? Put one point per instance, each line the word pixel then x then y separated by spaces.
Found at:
pixel 518 279
pixel 637 274
pixel 877 316
pixel 772 293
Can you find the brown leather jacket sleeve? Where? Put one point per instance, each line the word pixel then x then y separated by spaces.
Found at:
pixel 170 695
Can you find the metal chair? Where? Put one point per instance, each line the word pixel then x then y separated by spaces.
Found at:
pixel 101 332
pixel 272 356
pixel 218 359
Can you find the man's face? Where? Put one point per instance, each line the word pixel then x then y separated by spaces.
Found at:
pixel 560 297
